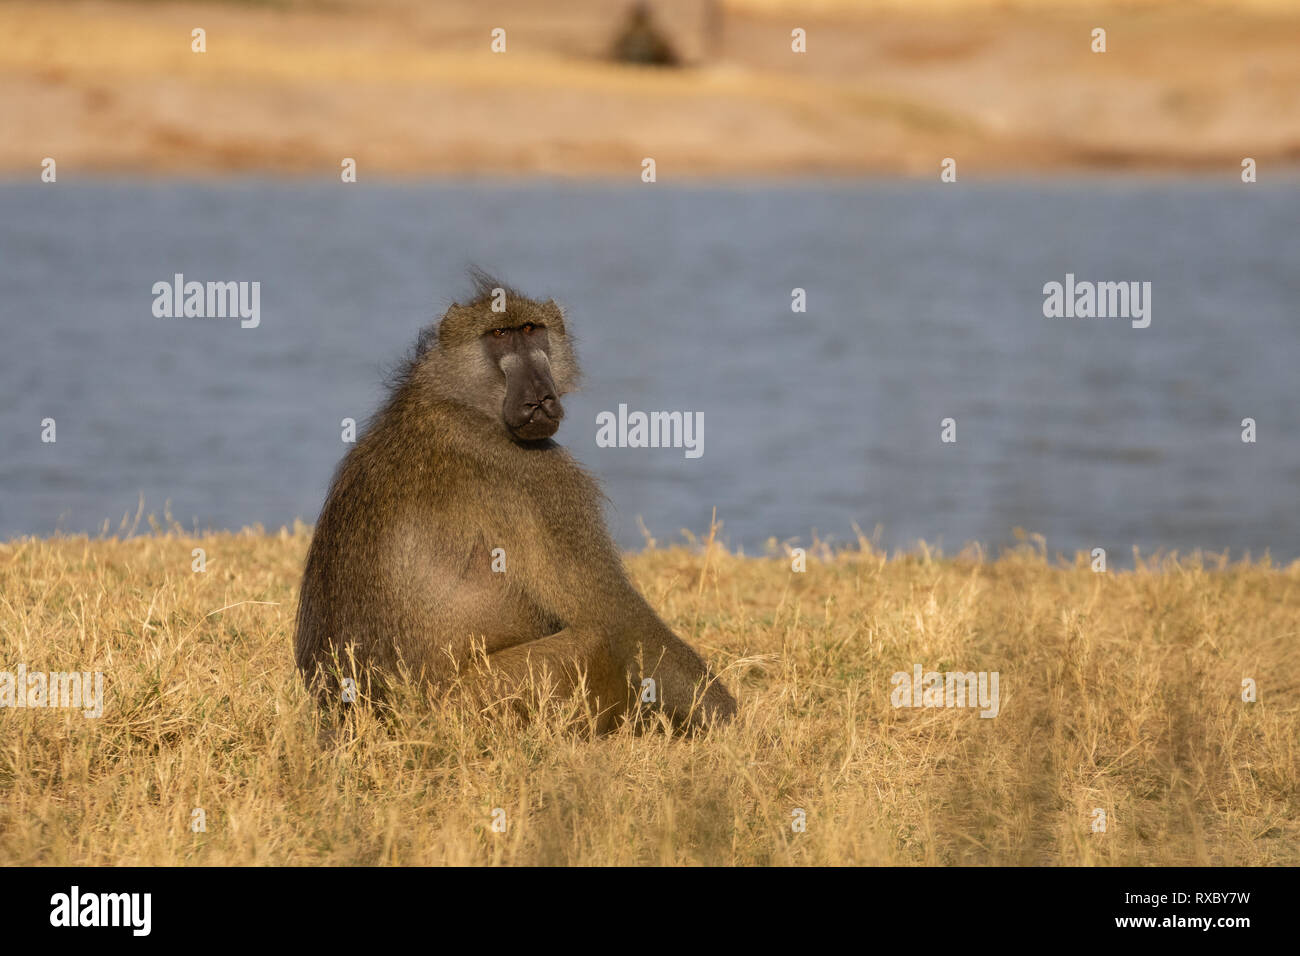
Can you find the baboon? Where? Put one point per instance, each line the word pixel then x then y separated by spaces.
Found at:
pixel 456 478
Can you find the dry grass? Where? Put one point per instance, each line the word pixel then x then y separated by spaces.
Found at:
pixel 1119 691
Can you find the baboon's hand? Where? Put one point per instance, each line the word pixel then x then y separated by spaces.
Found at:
pixel 684 689
pixel 716 706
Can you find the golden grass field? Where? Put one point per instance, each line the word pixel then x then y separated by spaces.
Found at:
pixel 1119 690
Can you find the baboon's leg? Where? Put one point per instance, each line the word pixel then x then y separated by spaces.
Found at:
pixel 560 663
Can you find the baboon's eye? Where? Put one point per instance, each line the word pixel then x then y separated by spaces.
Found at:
pixel 499 333
pixel 528 327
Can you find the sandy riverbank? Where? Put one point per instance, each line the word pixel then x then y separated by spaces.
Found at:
pixel 413 88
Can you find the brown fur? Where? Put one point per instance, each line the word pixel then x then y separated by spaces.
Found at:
pixel 400 563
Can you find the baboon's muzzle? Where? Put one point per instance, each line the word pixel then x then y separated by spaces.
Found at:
pixel 531 411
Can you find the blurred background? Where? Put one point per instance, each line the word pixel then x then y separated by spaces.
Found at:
pixel 412 86
pixel 775 170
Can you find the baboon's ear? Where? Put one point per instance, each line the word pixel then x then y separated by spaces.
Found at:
pixel 555 312
pixel 460 324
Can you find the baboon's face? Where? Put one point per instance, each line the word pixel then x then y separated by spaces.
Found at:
pixel 531 407
pixel 512 366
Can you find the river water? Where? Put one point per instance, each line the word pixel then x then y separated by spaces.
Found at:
pixel 924 303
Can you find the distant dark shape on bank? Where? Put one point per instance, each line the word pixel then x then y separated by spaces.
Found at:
pixel 641 42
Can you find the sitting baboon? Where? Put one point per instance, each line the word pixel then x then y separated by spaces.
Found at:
pixel 455 524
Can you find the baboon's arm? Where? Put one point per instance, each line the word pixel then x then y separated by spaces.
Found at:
pixel 579 578
pixel 556 666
